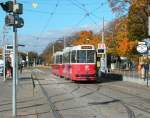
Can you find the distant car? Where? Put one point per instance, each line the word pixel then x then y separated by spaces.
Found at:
pixel 1 67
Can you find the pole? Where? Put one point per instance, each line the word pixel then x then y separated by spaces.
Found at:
pixel 104 56
pixel 148 25
pixel 4 58
pixel 14 66
pixel 103 32
pixel 64 42
pixel 147 69
pixel 53 48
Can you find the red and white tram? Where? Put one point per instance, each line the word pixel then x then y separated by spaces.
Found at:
pixel 79 63
pixel 57 67
pixel 83 63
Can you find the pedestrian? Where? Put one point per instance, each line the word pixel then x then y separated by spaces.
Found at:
pixel 20 67
pixel 8 72
pixel 139 68
pixel 142 72
pixel 146 68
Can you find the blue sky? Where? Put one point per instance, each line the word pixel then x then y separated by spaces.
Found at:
pixel 56 18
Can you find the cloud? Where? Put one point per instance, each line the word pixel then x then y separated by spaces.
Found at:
pixel 38 43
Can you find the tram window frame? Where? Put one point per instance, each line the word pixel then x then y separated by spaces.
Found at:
pixel 79 55
pixel 57 59
pixel 64 58
pixel 92 59
pixel 67 57
pixel 60 58
pixel 73 56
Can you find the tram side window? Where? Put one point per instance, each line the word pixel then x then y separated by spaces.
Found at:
pixel 90 56
pixel 57 59
pixel 64 58
pixel 60 59
pixel 68 57
pixel 73 56
pixel 81 56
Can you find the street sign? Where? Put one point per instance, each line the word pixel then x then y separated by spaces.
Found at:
pixel 100 51
pixel 101 46
pixel 142 48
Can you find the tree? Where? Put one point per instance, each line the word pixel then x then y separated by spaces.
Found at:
pixel 138 20
pixel 137 12
pixel 86 37
pixel 33 56
pixel 120 7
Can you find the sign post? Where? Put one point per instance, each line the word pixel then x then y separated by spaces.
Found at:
pixel 143 49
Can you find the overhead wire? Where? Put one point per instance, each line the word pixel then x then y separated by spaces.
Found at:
pixel 76 3
pixel 50 17
pixel 82 7
pixel 85 9
pixel 87 12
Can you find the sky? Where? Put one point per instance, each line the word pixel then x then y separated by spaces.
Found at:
pixel 48 20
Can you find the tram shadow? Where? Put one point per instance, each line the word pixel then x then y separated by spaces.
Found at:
pixel 109 77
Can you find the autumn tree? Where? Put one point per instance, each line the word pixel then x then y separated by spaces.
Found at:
pixel 137 12
pixel 87 37
pixel 138 20
pixel 120 7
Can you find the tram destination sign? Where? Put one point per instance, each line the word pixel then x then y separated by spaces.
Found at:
pixel 86 47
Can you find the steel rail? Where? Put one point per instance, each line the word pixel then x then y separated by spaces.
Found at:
pixel 52 106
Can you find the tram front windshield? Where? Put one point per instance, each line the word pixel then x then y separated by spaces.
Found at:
pixel 86 56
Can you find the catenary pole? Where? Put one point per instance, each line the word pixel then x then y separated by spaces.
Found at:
pixel 14 65
pixel 104 56
pixel 4 50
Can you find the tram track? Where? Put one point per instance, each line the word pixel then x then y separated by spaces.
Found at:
pixel 129 110
pixel 94 89
pixel 125 104
pixel 52 105
pixel 54 110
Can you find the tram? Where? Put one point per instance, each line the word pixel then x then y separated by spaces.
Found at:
pixel 57 67
pixel 77 63
pixel 83 63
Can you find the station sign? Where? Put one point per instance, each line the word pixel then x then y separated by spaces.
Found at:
pixel 142 48
pixel 101 48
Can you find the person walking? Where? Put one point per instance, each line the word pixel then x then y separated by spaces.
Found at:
pixel 142 72
pixel 8 72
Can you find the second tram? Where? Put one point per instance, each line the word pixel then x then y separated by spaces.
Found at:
pixel 57 67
